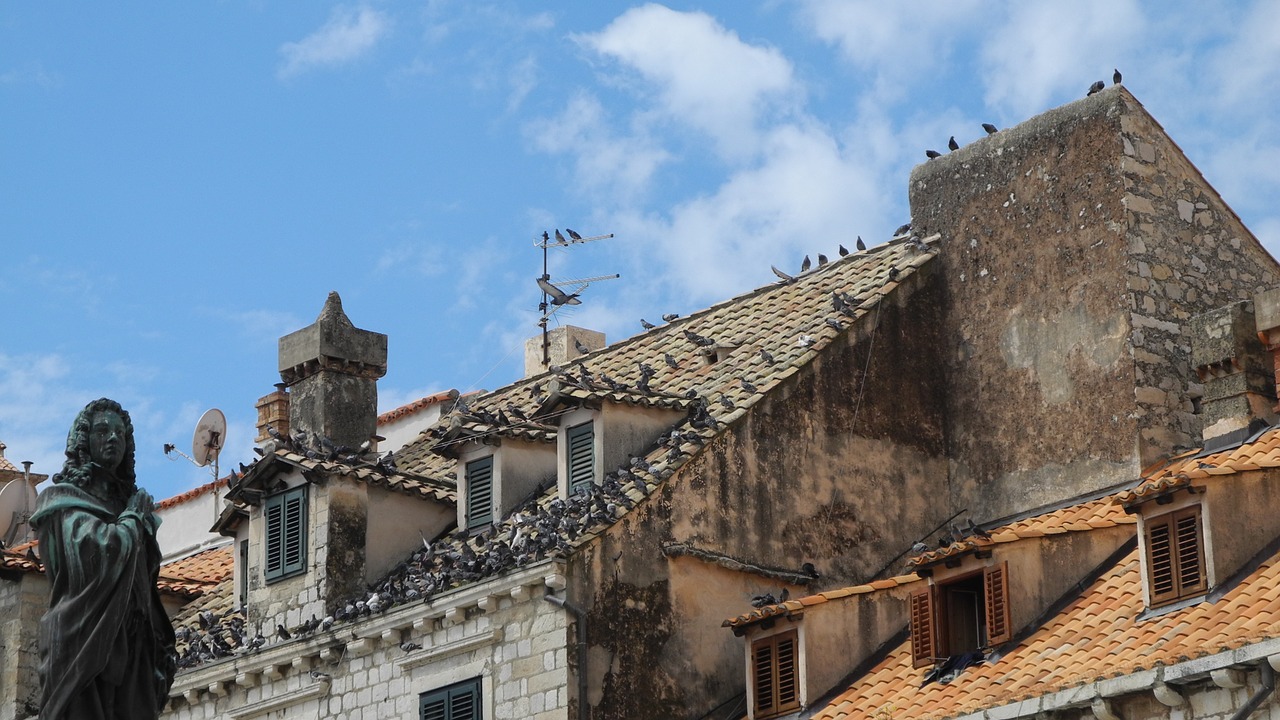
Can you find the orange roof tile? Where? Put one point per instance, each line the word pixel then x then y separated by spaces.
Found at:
pixel 197 574
pixel 1182 471
pixel 192 494
pixel 1095 637
pixel 1086 516
pixel 786 608
pixel 420 404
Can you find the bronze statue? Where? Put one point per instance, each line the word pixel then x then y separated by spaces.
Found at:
pixel 106 644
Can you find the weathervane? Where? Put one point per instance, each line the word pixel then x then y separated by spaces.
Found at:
pixel 553 295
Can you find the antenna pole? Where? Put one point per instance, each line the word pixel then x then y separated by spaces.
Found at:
pixel 543 307
pixel 542 310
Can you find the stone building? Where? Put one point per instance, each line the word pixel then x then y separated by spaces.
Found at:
pixel 568 546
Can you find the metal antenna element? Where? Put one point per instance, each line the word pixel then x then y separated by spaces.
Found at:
pixel 562 292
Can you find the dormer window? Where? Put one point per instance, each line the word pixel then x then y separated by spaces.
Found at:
pixel 775 676
pixel 1175 556
pixel 285 514
pixel 960 614
pixel 580 455
pixel 479 483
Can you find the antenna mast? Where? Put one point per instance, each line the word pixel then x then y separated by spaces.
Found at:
pixel 553 298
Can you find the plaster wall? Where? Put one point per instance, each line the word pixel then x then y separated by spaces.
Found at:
pixel 23 600
pixel 184 528
pixel 396 525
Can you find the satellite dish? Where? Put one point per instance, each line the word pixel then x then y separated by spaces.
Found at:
pixel 14 510
pixel 207 441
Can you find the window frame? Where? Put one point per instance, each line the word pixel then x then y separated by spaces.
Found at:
pixel 930 624
pixel 448 694
pixel 775 675
pixel 1182 529
pixel 279 512
pixel 479 520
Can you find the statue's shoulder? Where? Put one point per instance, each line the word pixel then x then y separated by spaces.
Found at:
pixel 61 497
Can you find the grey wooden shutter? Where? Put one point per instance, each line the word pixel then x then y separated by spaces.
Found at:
pixel 480 492
pixel 581 455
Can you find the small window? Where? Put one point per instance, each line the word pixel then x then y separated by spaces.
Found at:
pixel 775 674
pixel 480 492
pixel 460 701
pixel 286 516
pixel 960 615
pixel 1175 556
pixel 581 456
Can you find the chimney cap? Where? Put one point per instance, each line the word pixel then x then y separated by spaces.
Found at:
pixel 332 337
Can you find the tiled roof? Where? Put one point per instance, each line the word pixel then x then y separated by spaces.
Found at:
pixel 197 574
pixel 791 606
pixel 407 483
pixel 1100 513
pixel 419 404
pixel 5 465
pixel 1182 471
pixel 1094 638
pixel 15 558
pixel 192 494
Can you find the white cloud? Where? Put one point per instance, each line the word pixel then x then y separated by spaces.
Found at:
pixel 31 74
pixel 1045 51
pixel 704 75
pixel 1248 66
pixel 347 35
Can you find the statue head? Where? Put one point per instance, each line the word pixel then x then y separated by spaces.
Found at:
pixel 100 451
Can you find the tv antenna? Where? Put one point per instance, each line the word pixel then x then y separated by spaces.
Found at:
pixel 554 295
pixel 206 442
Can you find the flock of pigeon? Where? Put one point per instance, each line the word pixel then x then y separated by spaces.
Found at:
pixel 544 526
pixel 990 129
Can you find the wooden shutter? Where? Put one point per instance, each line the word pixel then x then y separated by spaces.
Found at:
pixel 273 513
pixel 1175 556
pixel 581 455
pixel 286 533
pixel 775 674
pixel 923 643
pixel 456 702
pixel 480 492
pixel 995 583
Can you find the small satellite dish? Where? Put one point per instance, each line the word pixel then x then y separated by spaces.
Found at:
pixel 14 510
pixel 211 431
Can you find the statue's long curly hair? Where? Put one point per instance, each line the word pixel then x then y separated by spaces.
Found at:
pixel 78 468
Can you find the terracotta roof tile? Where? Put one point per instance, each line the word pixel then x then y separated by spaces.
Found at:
pixel 192 494
pixel 1186 469
pixel 818 599
pixel 1094 637
pixel 420 404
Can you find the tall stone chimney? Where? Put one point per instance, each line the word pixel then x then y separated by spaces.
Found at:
pixel 331 368
pixel 1235 370
pixel 561 347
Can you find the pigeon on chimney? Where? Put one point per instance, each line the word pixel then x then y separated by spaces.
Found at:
pixel 952 145
pixel 1096 88
pixel 931 154
pixel 991 129
pixel 1116 77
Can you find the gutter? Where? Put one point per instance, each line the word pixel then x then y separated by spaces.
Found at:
pixel 1268 686
pixel 580 621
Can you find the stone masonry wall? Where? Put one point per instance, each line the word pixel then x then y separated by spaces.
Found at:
pixel 22 601
pixel 1188 254
pixel 515 642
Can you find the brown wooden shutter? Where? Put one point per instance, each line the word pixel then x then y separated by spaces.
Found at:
pixel 1160 575
pixel 775 674
pixel 788 676
pixel 1175 556
pixel 923 645
pixel 762 672
pixel 1190 552
pixel 996 589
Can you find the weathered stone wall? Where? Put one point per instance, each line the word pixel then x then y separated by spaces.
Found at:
pixel 23 600
pixel 517 643
pixel 833 467
pixel 1070 268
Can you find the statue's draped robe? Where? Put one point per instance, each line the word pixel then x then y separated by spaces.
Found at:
pixel 106 643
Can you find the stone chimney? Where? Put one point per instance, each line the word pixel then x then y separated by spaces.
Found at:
pixel 561 347
pixel 331 369
pixel 1239 387
pixel 273 411
pixel 1266 311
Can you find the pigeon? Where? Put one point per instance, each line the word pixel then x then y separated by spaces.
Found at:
pixel 1116 77
pixel 784 595
pixel 991 129
pixel 321 676
pixel 805 264
pixel 919 548
pixel 697 339
pixel 843 251
pixel 781 275
pixel 834 323
pixel 975 530
pixel 806 341
pixel 545 237
pixel 582 349
pixel 861 245
pixel 282 634
pixel 952 145
pixel 669 317
pixel 1096 88
pixel 409 646
pixel 646 324
pixel 767 357
pixel 760 601
pixel 917 244
pixel 560 238
pixel 893 273
pixel 726 402
pixel 671 362
pixel 931 154
pixel 576 237
pixel 558 296
pixel 822 259
pixel 902 230
pixel 747 385
pixel 957 534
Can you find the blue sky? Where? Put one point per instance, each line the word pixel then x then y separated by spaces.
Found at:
pixel 182 183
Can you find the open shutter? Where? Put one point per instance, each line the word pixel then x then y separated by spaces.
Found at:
pixel 923 645
pixel 1190 554
pixel 480 492
pixel 996 590
pixel 1160 575
pixel 788 680
pixel 295 531
pixel 456 702
pixel 581 455
pixel 1175 556
pixel 775 674
pixel 763 677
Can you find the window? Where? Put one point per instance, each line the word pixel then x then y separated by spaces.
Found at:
pixel 581 456
pixel 775 675
pixel 480 492
pixel 460 701
pixel 286 515
pixel 960 615
pixel 1175 557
